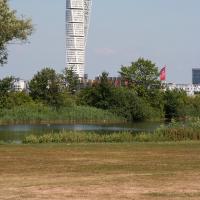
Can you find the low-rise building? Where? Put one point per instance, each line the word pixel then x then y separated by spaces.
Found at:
pixel 20 85
pixel 190 89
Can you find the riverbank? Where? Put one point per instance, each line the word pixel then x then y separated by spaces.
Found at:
pixel 172 132
pixel 100 171
pixel 63 122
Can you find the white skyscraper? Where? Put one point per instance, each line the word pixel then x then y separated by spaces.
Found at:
pixel 77 24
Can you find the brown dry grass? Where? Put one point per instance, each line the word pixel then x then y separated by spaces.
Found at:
pixel 101 171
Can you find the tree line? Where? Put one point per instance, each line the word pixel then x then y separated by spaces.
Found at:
pixel 140 95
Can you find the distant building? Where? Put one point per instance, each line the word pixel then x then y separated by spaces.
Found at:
pixel 196 76
pixel 190 89
pixel 115 81
pixel 20 85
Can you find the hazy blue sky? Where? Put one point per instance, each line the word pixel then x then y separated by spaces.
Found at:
pixel 165 31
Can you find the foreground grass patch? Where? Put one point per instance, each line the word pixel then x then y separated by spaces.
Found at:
pixel 100 171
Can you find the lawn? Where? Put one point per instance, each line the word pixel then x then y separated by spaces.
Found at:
pixel 134 171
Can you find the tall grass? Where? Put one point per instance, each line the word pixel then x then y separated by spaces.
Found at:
pixel 39 113
pixel 79 137
pixel 173 132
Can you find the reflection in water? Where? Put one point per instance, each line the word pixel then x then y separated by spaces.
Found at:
pixel 15 133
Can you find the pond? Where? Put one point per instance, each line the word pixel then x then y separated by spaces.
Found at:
pixel 16 133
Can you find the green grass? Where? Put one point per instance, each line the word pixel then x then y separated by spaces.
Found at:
pixel 79 137
pixel 38 113
pixel 120 137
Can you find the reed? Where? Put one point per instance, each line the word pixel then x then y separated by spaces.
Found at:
pixel 79 137
pixel 39 113
pixel 173 132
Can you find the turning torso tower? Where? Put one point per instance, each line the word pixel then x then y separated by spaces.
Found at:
pixel 77 24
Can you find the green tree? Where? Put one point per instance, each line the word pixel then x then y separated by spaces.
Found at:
pixel 141 75
pixel 71 79
pixel 12 28
pixel 155 98
pixel 99 95
pixel 125 102
pixel 45 86
pixel 175 102
pixel 193 106
pixel 6 86
pixel 15 99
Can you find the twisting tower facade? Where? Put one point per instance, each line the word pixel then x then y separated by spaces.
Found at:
pixel 77 24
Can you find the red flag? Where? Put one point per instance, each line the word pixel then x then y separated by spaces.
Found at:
pixel 163 74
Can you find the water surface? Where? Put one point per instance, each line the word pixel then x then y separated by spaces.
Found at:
pixel 16 133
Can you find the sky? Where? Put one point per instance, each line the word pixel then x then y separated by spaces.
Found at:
pixel 121 31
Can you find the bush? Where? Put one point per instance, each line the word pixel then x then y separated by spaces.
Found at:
pixel 126 103
pixel 193 106
pixel 175 104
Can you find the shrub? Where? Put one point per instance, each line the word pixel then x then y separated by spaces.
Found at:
pixel 127 103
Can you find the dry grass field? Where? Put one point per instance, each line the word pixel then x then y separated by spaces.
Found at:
pixel 139 171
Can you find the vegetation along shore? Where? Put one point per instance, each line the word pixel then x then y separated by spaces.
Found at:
pixel 175 132
pixel 53 96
